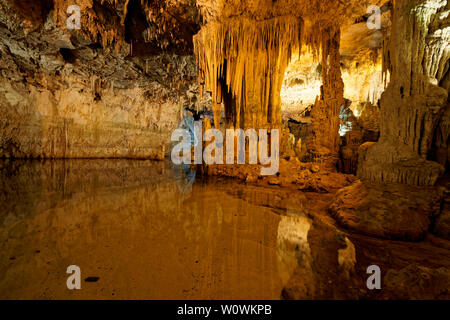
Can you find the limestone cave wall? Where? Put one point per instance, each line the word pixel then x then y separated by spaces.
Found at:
pixel 109 89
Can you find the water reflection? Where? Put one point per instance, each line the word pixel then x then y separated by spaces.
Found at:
pixel 293 249
pixel 146 230
pixel 187 178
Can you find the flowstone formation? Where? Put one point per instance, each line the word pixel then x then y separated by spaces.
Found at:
pixel 244 49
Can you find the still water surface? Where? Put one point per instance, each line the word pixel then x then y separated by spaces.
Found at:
pixel 144 230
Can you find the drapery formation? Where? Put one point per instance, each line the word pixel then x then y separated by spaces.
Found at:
pixel 242 63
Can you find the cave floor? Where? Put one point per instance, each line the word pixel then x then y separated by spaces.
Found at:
pixel 148 230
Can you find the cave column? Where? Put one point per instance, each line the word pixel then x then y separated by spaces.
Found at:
pixel 411 104
pixel 324 147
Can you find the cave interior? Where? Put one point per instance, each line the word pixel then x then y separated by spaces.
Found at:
pixel 91 92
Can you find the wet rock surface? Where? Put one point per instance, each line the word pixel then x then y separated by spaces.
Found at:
pixel 292 174
pixel 441 223
pixel 388 211
pixel 418 281
pixel 441 226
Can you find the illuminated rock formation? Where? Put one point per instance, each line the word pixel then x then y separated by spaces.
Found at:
pixel 324 146
pixel 242 51
pixel 242 63
pixel 364 123
pixel 242 58
pixel 413 102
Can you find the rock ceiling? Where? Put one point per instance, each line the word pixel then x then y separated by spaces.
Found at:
pixel 160 24
pixel 243 50
pixel 171 23
pixel 326 12
pixel 351 15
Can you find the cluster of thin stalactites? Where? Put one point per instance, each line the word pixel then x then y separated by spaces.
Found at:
pixel 246 59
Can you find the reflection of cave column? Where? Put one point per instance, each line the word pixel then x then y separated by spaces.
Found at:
pixel 325 113
pixel 294 252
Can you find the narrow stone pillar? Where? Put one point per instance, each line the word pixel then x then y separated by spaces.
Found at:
pixel 325 140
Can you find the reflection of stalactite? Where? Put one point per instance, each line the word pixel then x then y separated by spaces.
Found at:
pixel 95 86
pixel 242 63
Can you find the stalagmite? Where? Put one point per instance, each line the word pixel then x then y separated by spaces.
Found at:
pixel 324 144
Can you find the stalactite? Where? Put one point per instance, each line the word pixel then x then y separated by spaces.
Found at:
pixel 250 56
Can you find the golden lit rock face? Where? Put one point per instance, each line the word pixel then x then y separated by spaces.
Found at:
pixel 246 46
pixel 326 13
pixel 99 91
pixel 361 51
pixel 246 59
pixel 324 146
pixel 413 102
pixel 361 73
pixel 301 85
